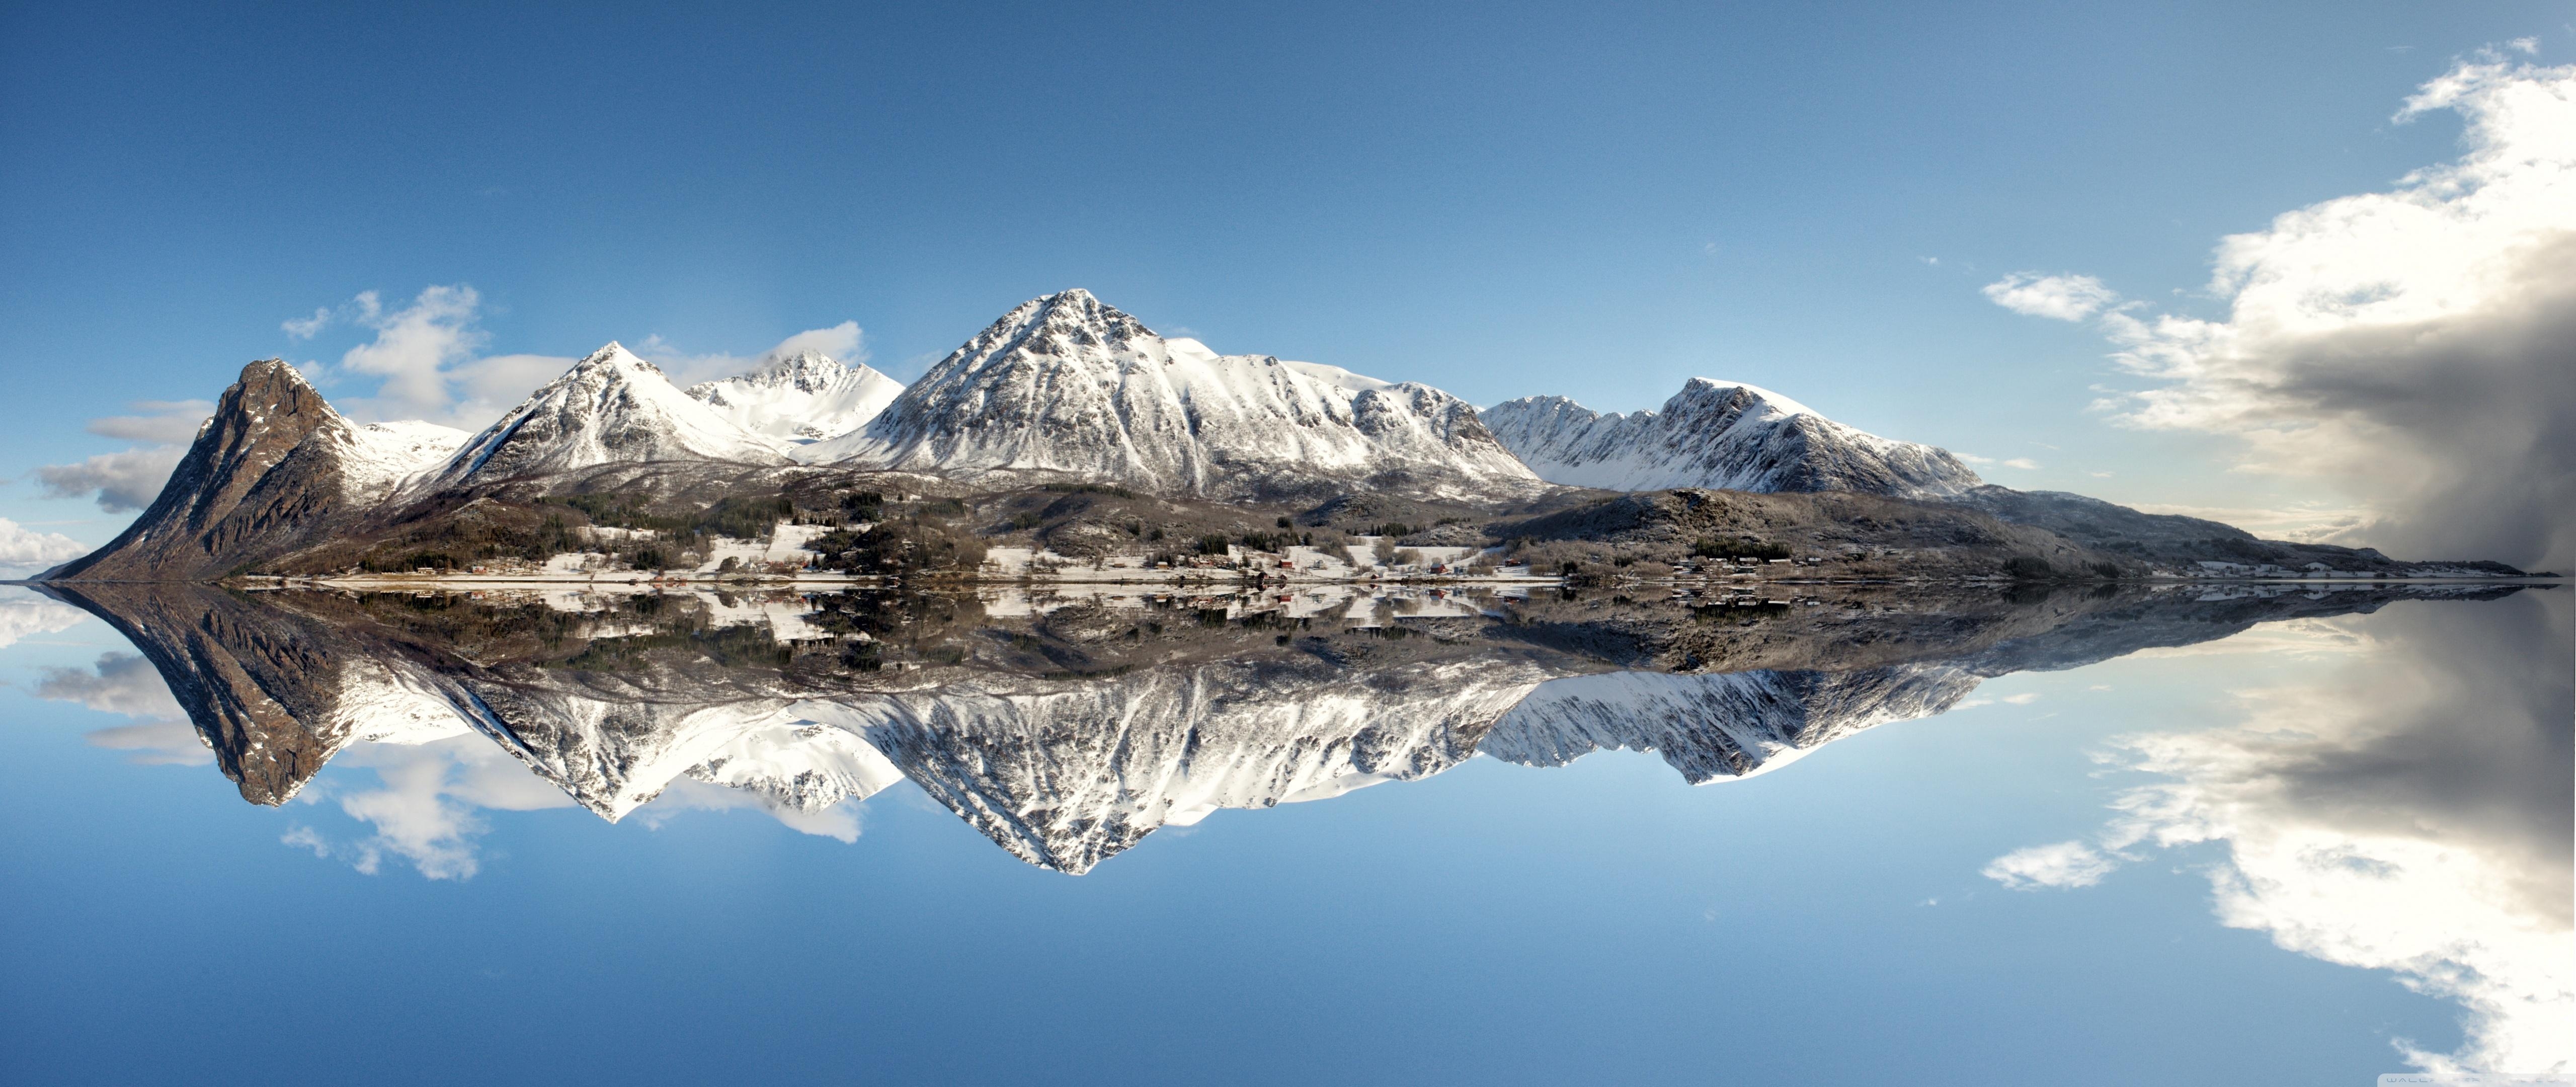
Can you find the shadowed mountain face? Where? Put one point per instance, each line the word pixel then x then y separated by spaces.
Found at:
pixel 273 468
pixel 1068 728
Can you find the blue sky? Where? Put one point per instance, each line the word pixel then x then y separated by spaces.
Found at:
pixel 1501 201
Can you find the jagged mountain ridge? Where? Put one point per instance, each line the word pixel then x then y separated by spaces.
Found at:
pixel 272 467
pixel 610 407
pixel 1065 384
pixel 802 398
pixel 1721 435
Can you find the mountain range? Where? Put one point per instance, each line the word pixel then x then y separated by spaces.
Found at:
pixel 1067 392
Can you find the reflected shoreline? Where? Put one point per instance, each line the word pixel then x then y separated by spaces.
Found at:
pixel 1068 722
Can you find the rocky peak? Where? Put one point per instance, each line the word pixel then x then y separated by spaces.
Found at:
pixel 242 491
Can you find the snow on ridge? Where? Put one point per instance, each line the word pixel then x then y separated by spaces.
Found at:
pixel 380 457
pixel 1717 434
pixel 1067 384
pixel 800 399
pixel 610 407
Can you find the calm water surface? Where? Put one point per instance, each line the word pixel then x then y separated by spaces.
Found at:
pixel 2209 837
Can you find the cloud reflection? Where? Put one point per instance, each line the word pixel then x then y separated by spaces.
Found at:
pixel 2410 812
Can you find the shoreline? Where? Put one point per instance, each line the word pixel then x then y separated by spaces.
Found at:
pixel 413 582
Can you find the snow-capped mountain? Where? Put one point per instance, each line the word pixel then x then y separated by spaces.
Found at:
pixel 803 398
pixel 272 466
pixel 1068 385
pixel 610 407
pixel 1718 434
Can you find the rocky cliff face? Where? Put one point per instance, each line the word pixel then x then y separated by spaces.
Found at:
pixel 1721 435
pixel 266 475
pixel 1067 386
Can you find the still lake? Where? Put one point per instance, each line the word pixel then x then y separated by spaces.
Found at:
pixel 2210 835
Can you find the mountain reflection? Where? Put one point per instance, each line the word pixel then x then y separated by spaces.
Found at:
pixel 1067 727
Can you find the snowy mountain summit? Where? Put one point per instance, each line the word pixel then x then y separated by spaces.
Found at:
pixel 1067 385
pixel 801 398
pixel 610 407
pixel 1719 434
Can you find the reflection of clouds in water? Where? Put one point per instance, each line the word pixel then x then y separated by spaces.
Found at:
pixel 424 810
pixel 2411 813
pixel 23 614
pixel 120 683
pixel 128 686
pixel 427 808
pixel 2299 637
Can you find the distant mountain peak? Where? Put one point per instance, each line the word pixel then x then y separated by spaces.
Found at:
pixel 800 398
pixel 610 407
pixel 1721 434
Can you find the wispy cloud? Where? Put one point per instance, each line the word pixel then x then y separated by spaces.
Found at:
pixel 123 481
pixel 2058 866
pixel 2057 297
pixel 167 422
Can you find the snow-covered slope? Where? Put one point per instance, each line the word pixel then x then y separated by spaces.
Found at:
pixel 1065 384
pixel 380 456
pixel 1066 775
pixel 1719 434
pixel 803 398
pixel 1717 726
pixel 611 407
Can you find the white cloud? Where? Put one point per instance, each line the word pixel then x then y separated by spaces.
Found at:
pixel 2059 298
pixel 24 549
pixel 2062 865
pixel 2020 699
pixel 2024 463
pixel 1973 458
pixel 123 481
pixel 2413 347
